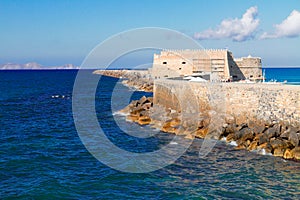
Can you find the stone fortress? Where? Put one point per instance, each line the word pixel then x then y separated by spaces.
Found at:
pixel 213 64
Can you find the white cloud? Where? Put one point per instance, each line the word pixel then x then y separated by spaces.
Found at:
pixel 236 29
pixel 290 27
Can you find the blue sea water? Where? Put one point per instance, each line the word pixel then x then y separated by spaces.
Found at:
pixel 42 156
pixel 291 75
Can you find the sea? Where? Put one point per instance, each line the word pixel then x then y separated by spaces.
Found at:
pixel 43 157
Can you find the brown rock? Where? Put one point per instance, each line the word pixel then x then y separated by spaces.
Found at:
pixel 237 135
pixel 285 134
pixel 230 137
pixel 288 154
pixel 294 139
pixel 286 131
pixel 133 118
pixel 144 120
pixel 248 142
pixel 296 153
pixel 143 100
pixel 252 146
pixel 168 128
pixel 263 139
pixel 247 134
pixel 279 152
pixel 189 136
pixel 201 133
pixel 259 128
pixel 266 146
pixel 230 129
pixel 271 132
pixel 257 136
pixel 278 143
pixel 175 122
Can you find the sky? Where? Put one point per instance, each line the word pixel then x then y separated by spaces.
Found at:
pixel 56 32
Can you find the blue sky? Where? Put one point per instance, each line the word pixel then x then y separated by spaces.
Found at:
pixel 56 32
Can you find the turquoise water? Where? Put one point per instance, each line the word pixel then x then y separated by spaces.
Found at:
pixel 291 75
pixel 42 157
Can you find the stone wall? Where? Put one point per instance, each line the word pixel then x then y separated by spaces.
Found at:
pixel 250 67
pixel 268 103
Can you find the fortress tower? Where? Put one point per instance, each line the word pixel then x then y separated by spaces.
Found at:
pixel 217 64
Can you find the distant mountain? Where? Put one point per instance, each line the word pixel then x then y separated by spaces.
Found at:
pixel 34 66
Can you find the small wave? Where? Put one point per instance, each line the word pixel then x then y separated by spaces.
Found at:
pixel 233 143
pixel 174 143
pixel 263 152
pixel 56 96
pixel 120 113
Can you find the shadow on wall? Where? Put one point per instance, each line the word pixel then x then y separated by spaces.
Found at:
pixel 234 70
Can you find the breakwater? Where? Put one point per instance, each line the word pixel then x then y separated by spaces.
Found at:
pixel 138 79
pixel 255 116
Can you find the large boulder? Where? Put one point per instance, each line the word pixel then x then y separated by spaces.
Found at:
pixel 230 137
pixel 252 146
pixel 271 132
pixel 278 143
pixel 294 139
pixel 266 146
pixel 279 152
pixel 288 154
pixel 263 139
pixel 296 153
pixel 144 120
pixel 201 133
pixel 230 128
pixel 247 134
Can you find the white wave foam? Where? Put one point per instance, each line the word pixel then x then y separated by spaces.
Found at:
pixel 120 113
pixel 263 152
pixel 174 143
pixel 223 139
pixel 57 96
pixel 233 143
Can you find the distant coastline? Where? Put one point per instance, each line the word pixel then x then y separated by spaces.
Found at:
pixel 35 66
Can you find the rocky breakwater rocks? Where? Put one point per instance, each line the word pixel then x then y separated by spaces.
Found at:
pixel 139 110
pixel 168 120
pixel 276 139
pixel 138 79
pixel 280 140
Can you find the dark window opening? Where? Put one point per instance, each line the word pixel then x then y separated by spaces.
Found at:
pixel 251 76
pixel 164 63
pixel 183 63
pixel 179 68
pixel 165 75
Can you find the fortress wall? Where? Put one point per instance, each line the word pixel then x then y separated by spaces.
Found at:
pixel 185 62
pixel 257 102
pixel 250 67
